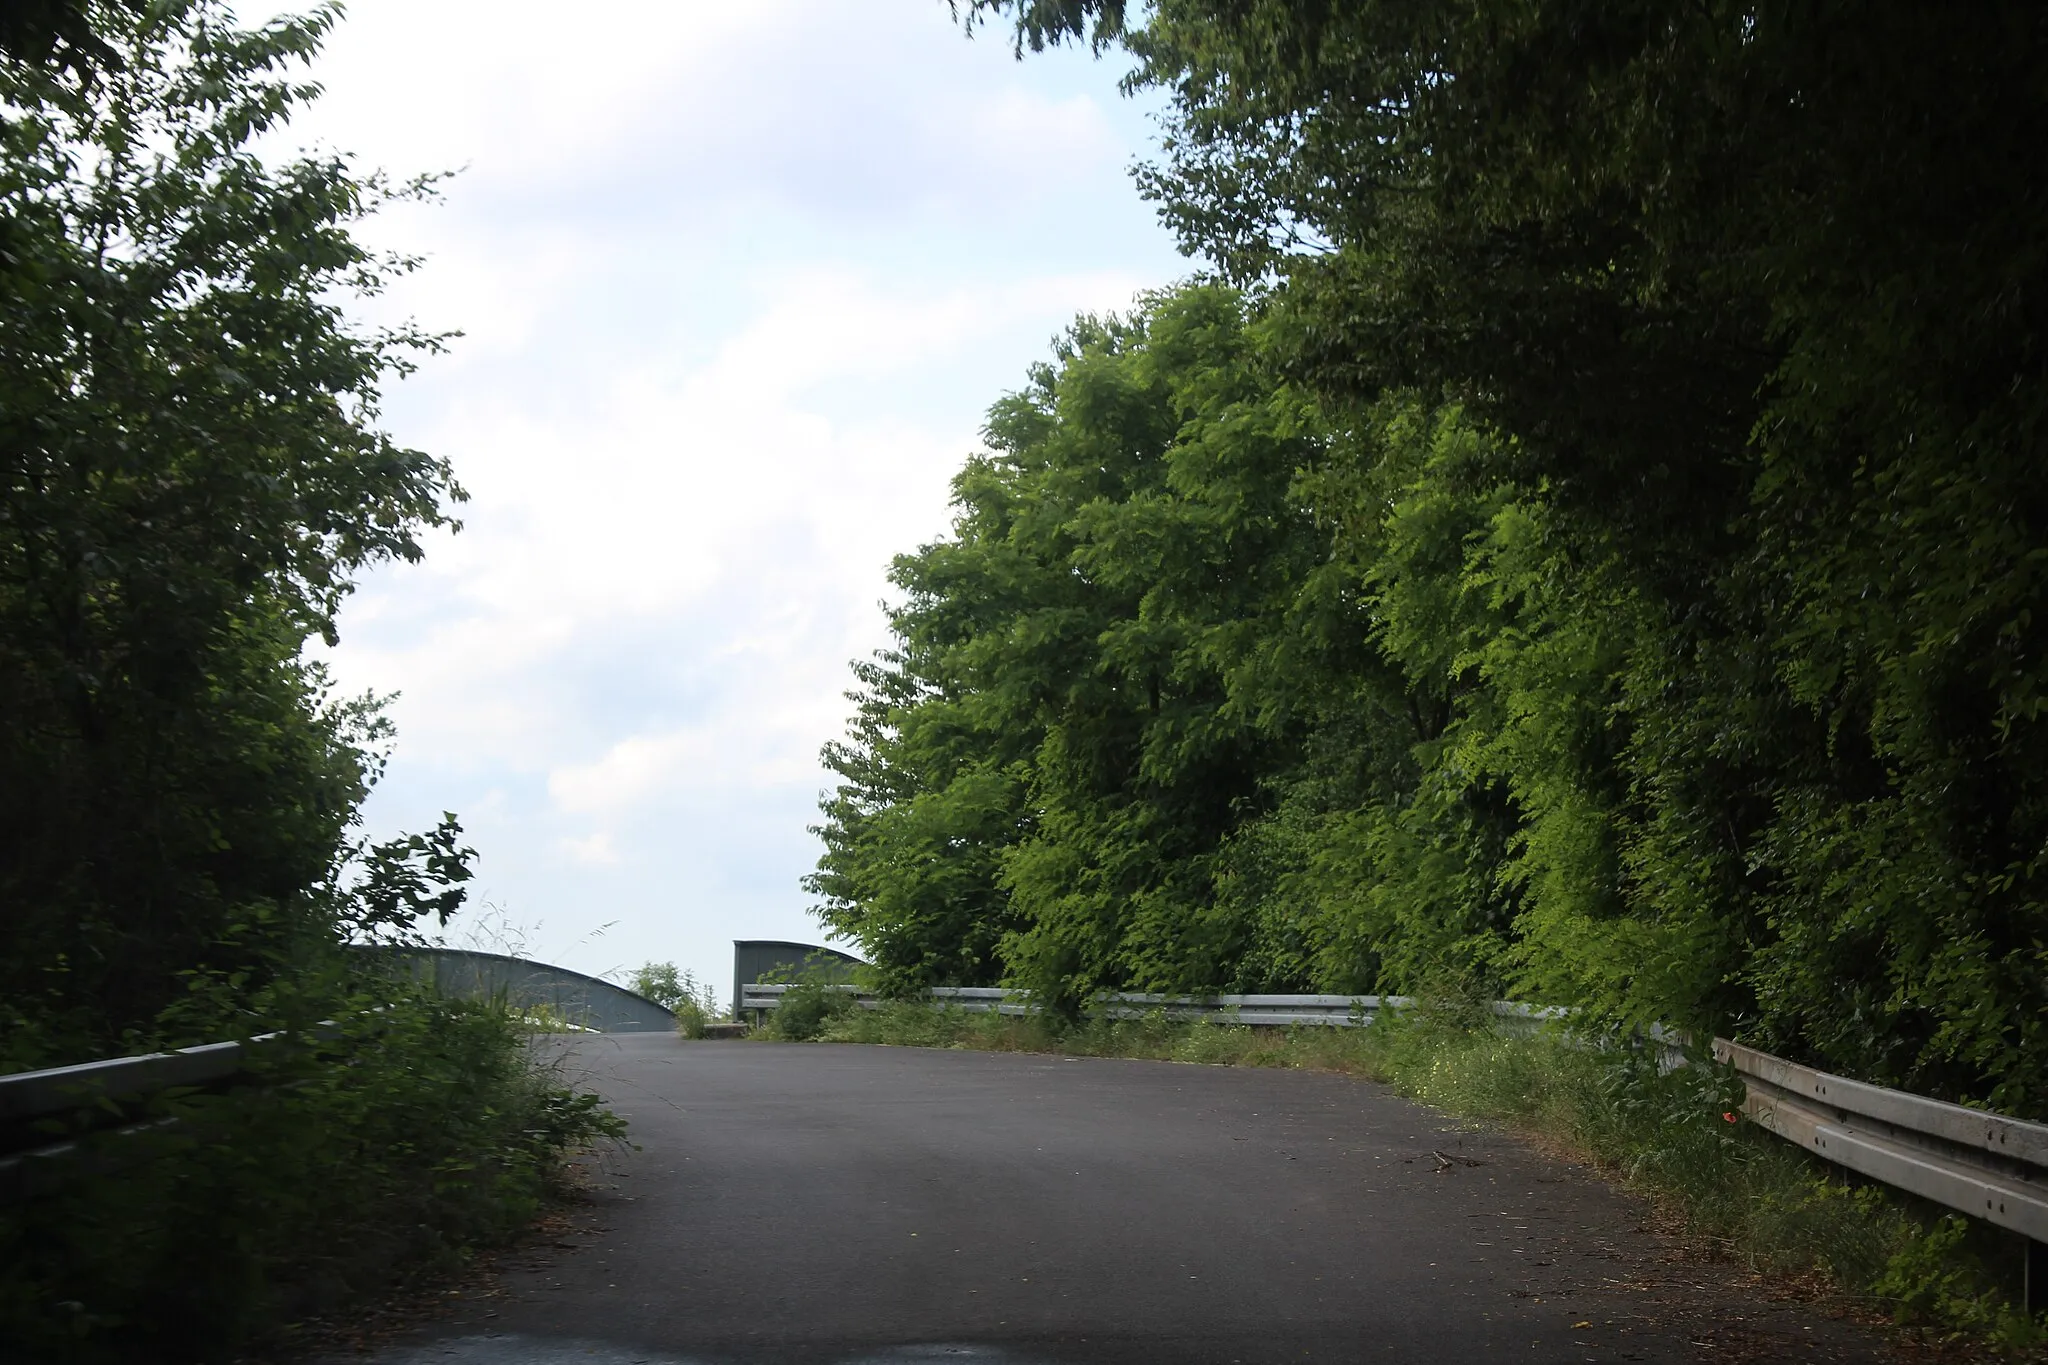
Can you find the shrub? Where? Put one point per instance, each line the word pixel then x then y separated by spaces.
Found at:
pixel 693 1002
pixel 807 1008
pixel 659 982
pixel 426 1128
pixel 692 1019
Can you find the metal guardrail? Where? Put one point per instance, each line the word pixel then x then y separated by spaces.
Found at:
pixel 1977 1163
pixel 30 1163
pixel 32 1095
pixel 1983 1164
pixel 1265 1010
pixel 1258 1011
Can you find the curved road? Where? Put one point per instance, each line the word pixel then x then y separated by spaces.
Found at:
pixel 815 1204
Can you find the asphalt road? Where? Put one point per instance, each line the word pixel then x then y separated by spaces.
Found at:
pixel 815 1204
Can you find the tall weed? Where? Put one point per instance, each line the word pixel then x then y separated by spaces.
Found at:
pixel 423 1129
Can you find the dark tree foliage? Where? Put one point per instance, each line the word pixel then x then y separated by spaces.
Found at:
pixel 190 473
pixel 1750 300
pixel 41 31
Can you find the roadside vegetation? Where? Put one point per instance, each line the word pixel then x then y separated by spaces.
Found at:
pixel 1578 539
pixel 1582 537
pixel 693 1002
pixel 1673 1135
pixel 194 477
pixel 388 1151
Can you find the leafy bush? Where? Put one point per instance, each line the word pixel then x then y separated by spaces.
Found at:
pixel 425 1128
pixel 696 1007
pixel 657 981
pixel 693 1002
pixel 808 1008
pixel 692 1019
pixel 818 996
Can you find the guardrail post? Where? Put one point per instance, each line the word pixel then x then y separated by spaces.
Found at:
pixel 2035 1294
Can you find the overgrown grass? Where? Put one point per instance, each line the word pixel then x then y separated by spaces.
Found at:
pixel 1732 1189
pixel 425 1129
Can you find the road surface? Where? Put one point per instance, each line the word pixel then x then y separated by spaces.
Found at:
pixel 830 1204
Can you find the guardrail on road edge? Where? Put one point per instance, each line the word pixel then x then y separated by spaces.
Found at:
pixel 1259 1011
pixel 1979 1163
pixel 30 1163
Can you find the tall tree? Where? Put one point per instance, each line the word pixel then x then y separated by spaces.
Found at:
pixel 38 31
pixel 1754 295
pixel 1142 726
pixel 191 472
pixel 1050 729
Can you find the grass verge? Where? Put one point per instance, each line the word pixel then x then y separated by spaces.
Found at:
pixel 1731 1188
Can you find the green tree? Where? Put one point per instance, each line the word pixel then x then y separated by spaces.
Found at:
pixel 193 473
pixel 1754 297
pixel 1033 755
pixel 51 30
pixel 1136 725
pixel 657 981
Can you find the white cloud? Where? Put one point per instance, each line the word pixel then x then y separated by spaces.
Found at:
pixel 727 486
pixel 595 850
pixel 735 299
pixel 512 88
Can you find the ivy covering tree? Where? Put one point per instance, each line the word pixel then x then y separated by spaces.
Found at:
pixel 1678 406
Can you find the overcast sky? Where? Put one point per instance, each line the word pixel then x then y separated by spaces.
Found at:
pixel 738 282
